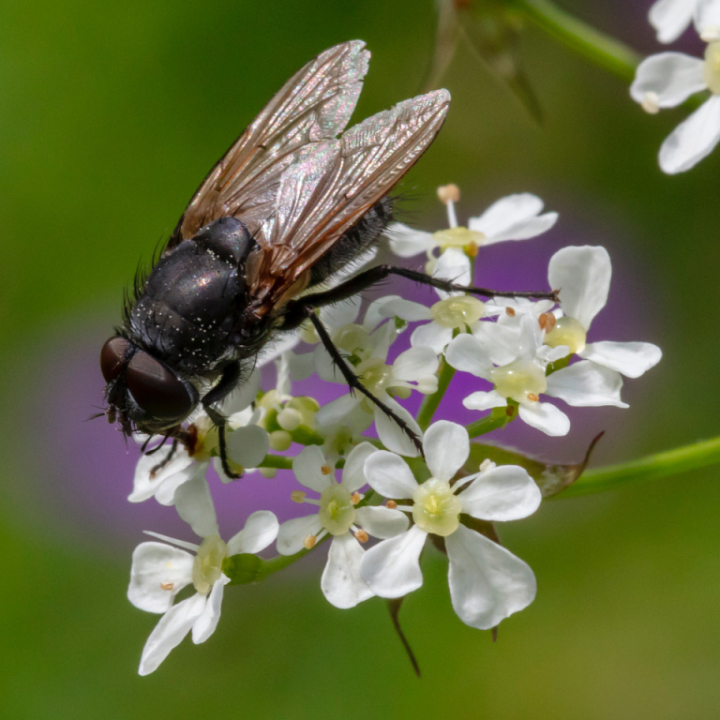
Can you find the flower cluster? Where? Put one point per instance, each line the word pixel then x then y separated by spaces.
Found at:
pixel 379 501
pixel 668 79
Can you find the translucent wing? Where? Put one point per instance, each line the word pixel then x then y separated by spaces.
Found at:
pixel 313 106
pixel 334 183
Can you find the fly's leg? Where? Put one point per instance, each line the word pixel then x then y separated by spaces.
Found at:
pixel 228 381
pixel 362 281
pixel 353 380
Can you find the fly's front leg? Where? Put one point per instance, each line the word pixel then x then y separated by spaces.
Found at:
pixel 353 380
pixel 228 381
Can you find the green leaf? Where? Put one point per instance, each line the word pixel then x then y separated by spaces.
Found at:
pixel 551 478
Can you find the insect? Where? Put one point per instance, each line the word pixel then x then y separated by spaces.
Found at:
pixel 294 199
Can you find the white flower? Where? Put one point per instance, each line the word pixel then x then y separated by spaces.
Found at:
pixel 487 582
pixel 160 571
pixel 515 217
pixel 413 369
pixel 337 515
pixel 667 80
pixel 583 275
pixel 247 445
pixel 671 18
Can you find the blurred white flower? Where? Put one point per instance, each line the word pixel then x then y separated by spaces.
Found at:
pixel 487 582
pixel 337 515
pixel 160 571
pixel 671 18
pixel 667 80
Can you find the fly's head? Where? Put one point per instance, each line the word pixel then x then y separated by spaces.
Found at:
pixel 143 394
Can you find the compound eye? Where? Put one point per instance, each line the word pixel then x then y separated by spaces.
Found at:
pixel 156 390
pixel 112 356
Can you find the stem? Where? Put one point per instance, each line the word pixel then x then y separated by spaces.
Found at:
pixel 492 422
pixel 276 461
pixel 652 467
pixel 431 402
pixel 594 45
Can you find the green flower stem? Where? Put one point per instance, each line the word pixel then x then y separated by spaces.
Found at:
pixel 431 402
pixel 277 461
pixel 498 418
pixel 653 467
pixel 597 47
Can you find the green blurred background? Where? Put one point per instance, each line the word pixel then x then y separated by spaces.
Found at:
pixel 110 114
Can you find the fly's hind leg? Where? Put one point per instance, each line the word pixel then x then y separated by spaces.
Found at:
pixel 353 380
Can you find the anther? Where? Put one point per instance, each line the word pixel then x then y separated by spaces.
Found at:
pixel 532 397
pixel 298 496
pixel 448 193
pixel 268 473
pixel 362 536
pixel 510 410
pixel 391 504
pixel 510 312
pixel 167 586
pixel 547 321
pixel 356 497
pixel 309 541
pixel 650 103
pixel 326 469
pixel 485 464
pixel 471 249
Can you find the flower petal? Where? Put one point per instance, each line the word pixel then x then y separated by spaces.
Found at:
pixel 243 395
pixel 468 354
pixel 707 19
pixel 195 506
pixel 382 522
pixel 484 400
pixel 260 531
pixel 247 446
pixel 545 417
pixel 432 336
pixel 487 582
pixel 392 567
pixel 391 434
pixel 447 447
pixel 586 384
pixel 453 265
pixel 206 623
pixel 307 467
pixel 390 475
pixel 174 625
pixel 406 242
pixel 353 477
pixel 292 533
pixel 405 309
pixel 146 484
pixel 340 313
pixel 335 412
pixel 159 572
pixel 415 364
pixel 515 217
pixel 670 77
pixel 670 18
pixel 582 274
pixel 503 493
pixel 692 140
pixel 341 582
pixel 632 359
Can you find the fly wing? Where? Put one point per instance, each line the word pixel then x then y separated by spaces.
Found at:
pixel 333 184
pixel 313 106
